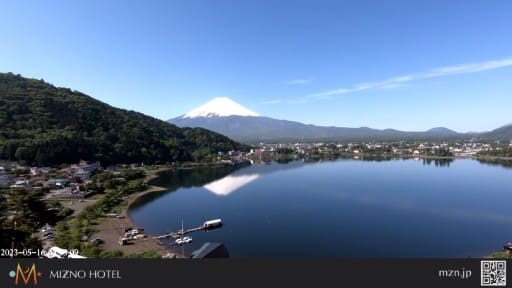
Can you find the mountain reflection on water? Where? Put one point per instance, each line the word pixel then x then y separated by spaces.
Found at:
pixel 225 180
pixel 453 207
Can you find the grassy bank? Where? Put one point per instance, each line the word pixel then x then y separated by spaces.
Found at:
pixel 74 233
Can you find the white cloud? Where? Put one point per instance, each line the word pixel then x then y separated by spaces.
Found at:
pixel 299 81
pixel 402 80
pixel 391 86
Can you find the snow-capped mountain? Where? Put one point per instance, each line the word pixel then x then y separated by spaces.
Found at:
pixel 227 117
pixel 220 107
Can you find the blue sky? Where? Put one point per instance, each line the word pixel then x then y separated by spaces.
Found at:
pixel 409 65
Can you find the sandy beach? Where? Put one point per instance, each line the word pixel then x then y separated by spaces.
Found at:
pixel 111 229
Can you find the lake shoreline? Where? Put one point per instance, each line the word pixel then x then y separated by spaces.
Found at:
pixel 110 229
pixel 488 158
pixel 356 194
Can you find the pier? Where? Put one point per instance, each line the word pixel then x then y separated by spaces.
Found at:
pixel 178 233
pixel 208 225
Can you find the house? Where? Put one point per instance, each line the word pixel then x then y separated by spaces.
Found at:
pixel 34 170
pixel 267 152
pixel 89 167
pixel 211 250
pixel 45 170
pixel 84 175
pixel 57 183
pixel 21 183
pixel 84 171
pixel 236 157
pixel 39 170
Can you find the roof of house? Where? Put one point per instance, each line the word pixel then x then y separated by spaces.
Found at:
pixel 211 250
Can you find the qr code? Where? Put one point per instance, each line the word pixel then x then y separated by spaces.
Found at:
pixel 494 273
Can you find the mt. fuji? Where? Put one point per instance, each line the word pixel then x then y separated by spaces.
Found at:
pixel 227 117
pixel 220 107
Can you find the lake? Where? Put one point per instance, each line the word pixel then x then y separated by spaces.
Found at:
pixel 344 208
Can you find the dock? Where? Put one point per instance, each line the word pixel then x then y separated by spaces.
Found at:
pixel 178 233
pixel 208 225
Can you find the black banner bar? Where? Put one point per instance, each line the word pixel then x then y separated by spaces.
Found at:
pixel 110 273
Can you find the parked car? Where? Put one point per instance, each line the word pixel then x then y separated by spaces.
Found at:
pixel 97 241
pixel 49 237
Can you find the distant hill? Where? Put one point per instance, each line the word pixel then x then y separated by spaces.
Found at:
pixel 441 131
pixel 502 133
pixel 41 124
pixel 244 125
pixel 253 129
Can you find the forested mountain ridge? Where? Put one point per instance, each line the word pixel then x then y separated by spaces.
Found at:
pixel 41 124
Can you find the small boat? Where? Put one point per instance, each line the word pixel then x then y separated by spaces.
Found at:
pixel 183 239
pixel 212 224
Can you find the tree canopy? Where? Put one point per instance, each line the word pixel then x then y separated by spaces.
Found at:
pixel 41 124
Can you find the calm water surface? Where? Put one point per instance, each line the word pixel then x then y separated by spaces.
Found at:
pixel 343 208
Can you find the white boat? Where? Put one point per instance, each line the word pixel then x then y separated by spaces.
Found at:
pixel 212 223
pixel 183 239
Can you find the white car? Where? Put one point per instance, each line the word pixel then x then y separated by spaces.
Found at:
pixel 132 232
